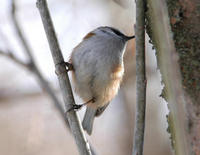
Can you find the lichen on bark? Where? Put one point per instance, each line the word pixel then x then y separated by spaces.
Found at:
pixel 185 24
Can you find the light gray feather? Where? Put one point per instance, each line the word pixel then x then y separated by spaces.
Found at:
pixel 89 119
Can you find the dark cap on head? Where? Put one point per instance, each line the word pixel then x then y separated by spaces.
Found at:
pixel 129 37
pixel 121 34
pixel 116 32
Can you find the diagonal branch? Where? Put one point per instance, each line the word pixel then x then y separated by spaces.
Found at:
pixel 31 65
pixel 42 82
pixel 14 58
pixel 140 79
pixel 63 78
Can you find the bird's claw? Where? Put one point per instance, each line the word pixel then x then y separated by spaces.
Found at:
pixel 79 106
pixel 75 107
pixel 69 66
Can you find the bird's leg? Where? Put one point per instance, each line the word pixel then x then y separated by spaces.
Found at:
pixel 90 101
pixel 77 107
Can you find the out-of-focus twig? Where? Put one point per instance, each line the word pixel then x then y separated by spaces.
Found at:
pixel 11 56
pixel 31 65
pixel 25 45
pixel 140 79
pixel 14 58
pixel 74 122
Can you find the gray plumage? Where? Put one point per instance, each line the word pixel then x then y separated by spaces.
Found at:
pixel 89 116
pixel 98 70
pixel 89 119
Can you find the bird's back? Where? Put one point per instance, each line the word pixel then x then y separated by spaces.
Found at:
pixel 98 70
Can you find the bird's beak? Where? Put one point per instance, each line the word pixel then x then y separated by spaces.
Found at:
pixel 129 37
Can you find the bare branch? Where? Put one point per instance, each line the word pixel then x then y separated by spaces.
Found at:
pixel 44 85
pixel 31 66
pixel 63 78
pixel 140 79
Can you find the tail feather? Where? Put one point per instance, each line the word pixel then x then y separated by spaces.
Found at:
pixel 89 119
pixel 100 110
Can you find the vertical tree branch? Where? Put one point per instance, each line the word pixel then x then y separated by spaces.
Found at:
pixel 140 79
pixel 160 32
pixel 63 78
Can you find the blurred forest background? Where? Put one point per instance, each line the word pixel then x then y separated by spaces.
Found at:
pixel 29 122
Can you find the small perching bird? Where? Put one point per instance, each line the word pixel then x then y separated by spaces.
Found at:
pixel 98 70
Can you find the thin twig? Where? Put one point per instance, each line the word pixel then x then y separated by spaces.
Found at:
pixel 140 79
pixel 63 78
pixel 14 58
pixel 170 70
pixel 19 32
pixel 31 65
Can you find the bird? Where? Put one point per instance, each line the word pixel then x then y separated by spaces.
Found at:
pixel 97 70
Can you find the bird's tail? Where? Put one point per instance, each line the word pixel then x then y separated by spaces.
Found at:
pixel 89 119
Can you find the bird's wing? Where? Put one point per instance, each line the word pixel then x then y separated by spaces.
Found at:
pixel 101 110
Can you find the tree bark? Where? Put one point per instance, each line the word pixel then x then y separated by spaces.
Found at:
pixel 185 24
pixel 159 30
pixel 140 79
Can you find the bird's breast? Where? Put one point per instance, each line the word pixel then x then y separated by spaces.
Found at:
pixel 117 72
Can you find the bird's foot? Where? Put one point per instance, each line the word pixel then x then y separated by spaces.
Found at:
pixel 77 107
pixel 60 69
pixel 69 66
